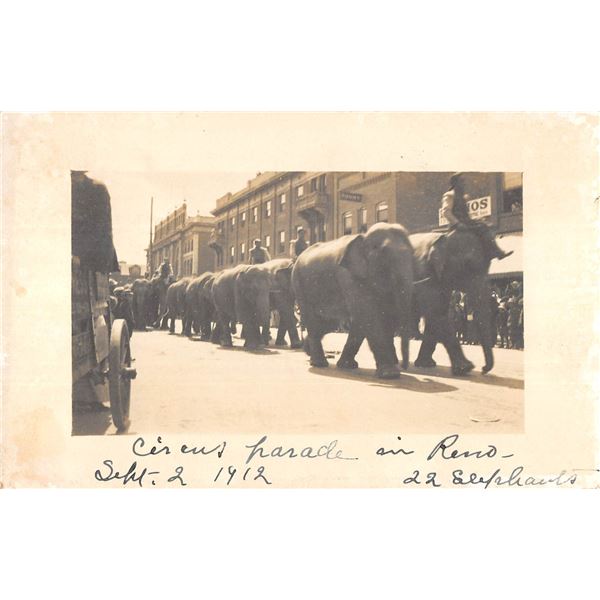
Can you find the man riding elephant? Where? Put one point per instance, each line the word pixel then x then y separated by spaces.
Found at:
pixel 456 260
pixel 455 211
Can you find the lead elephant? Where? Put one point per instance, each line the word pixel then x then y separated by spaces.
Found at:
pixel 365 280
pixel 142 303
pixel 444 262
pixel 199 307
pixel 176 303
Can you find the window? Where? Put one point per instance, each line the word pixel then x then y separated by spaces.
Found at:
pixel 362 220
pixel 232 223
pixel 242 251
pixel 255 214
pixel 231 254
pixel 221 227
pixel 268 209
pixel 281 248
pixel 381 212
pixel 282 200
pixel 243 218
pixel 512 201
pixel 300 191
pixel 347 223
pixel 313 185
pixel 323 183
pixel 267 241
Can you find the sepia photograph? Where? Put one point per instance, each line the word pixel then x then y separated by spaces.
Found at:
pixel 347 301
pixel 216 324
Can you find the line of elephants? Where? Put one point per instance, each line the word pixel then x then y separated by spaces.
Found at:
pixel 377 284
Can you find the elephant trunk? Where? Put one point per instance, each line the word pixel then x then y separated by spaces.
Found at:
pixel 402 290
pixel 481 296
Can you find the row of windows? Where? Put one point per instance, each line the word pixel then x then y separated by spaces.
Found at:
pixel 381 216
pixel 315 184
pixel 266 244
pixel 188 245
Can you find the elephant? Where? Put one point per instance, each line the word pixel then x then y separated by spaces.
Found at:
pixel 456 260
pixel 241 294
pixel 281 299
pixel 142 300
pixel 365 280
pixel 176 303
pixel 159 286
pixel 199 306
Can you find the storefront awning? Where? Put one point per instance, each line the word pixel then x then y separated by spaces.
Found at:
pixel 513 264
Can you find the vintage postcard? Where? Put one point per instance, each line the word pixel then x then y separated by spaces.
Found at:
pixel 300 300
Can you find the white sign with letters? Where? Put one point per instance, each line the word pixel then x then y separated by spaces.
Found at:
pixel 478 208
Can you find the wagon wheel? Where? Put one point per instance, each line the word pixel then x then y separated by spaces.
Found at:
pixel 120 374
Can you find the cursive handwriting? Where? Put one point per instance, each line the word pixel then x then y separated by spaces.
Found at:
pixel 442 448
pixel 130 475
pixel 516 478
pixel 383 452
pixel 326 451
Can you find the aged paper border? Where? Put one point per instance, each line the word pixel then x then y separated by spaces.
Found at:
pixel 558 155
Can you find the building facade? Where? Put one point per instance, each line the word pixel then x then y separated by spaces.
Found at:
pixel 271 208
pixel 330 204
pixel 183 240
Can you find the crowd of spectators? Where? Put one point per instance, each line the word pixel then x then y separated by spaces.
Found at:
pixel 507 312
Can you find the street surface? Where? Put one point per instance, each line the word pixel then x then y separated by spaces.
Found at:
pixel 191 386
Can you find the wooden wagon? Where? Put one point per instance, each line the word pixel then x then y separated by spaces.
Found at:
pixel 101 354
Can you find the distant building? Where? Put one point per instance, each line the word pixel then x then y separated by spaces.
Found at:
pixel 183 240
pixel 330 204
pixel 127 273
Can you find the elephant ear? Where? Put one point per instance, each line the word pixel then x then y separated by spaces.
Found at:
pixel 354 257
pixel 437 257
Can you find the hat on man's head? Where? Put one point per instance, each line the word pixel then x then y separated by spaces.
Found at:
pixel 455 177
pixel 257 240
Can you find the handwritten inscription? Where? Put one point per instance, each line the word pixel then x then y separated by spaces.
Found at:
pixel 191 461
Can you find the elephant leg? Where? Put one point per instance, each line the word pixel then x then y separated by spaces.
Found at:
pixel 460 364
pixel 295 341
pixel 215 337
pixel 315 331
pixel 381 343
pixel 379 331
pixel 351 347
pixel 287 322
pixel 187 325
pixel 424 358
pixel 252 335
pixel 282 329
pixel 224 331
pixel 405 349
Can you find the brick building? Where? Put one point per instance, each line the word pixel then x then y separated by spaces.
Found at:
pixel 332 204
pixel 271 208
pixel 183 240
